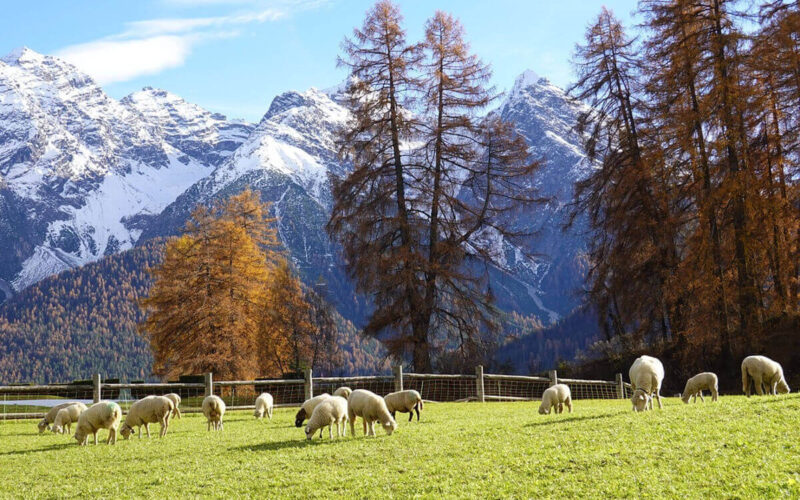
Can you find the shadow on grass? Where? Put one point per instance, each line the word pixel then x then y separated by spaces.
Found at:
pixel 549 420
pixel 300 442
pixel 39 450
pixel 781 398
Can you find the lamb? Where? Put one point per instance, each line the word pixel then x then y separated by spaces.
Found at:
pixel 263 406
pixel 308 408
pixel 148 411
pixel 647 374
pixel 65 417
pixel 102 415
pixel 556 397
pixel 405 402
pixel 370 407
pixel 176 400
pixel 214 409
pixel 332 410
pixel 762 370
pixel 49 418
pixel 343 392
pixel 695 386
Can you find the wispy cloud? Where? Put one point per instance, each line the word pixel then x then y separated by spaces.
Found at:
pixel 151 46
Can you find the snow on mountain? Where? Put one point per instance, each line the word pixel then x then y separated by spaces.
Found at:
pixel 80 172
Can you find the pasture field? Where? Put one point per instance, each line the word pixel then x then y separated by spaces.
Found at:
pixel 736 448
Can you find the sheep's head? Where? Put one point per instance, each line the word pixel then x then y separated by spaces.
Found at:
pixel 640 400
pixel 389 426
pixel 126 431
pixel 685 398
pixel 57 429
pixel 310 433
pixel 299 418
pixel 80 437
pixel 543 410
pixel 259 413
pixel 783 387
pixel 43 425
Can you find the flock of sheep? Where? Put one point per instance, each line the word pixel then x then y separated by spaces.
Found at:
pixel 321 411
pixel 345 405
pixel 647 374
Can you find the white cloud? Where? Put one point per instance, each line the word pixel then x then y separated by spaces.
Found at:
pixel 154 45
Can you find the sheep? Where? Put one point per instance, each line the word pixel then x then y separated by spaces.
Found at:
pixel 695 386
pixel 263 406
pixel 762 370
pixel 308 408
pixel 50 416
pixel 343 392
pixel 405 402
pixel 147 411
pixel 332 410
pixel 65 416
pixel 102 415
pixel 214 409
pixel 176 400
pixel 556 397
pixel 370 407
pixel 646 374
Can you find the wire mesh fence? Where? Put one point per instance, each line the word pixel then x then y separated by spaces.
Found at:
pixel 33 401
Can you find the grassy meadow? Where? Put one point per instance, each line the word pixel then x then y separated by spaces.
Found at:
pixel 736 448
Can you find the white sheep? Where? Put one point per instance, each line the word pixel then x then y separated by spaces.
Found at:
pixel 695 386
pixel 647 374
pixel 332 410
pixel 66 416
pixel 343 392
pixel 307 409
pixel 762 370
pixel 263 406
pixel 406 401
pixel 556 397
pixel 50 416
pixel 214 409
pixel 176 400
pixel 370 407
pixel 102 415
pixel 148 411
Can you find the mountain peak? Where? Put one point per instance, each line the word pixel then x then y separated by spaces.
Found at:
pixel 22 54
pixel 527 79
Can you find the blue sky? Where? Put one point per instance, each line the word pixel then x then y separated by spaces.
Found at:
pixel 234 56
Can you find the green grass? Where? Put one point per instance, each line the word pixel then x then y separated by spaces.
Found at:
pixel 737 448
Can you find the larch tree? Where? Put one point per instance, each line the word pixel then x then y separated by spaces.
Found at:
pixel 414 219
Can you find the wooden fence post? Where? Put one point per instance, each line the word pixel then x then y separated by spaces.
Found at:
pixel 209 384
pixel 309 385
pixel 398 378
pixel 553 378
pixel 479 389
pixel 620 387
pixel 96 388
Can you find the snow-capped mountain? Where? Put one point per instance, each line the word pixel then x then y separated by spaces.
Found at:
pixel 80 172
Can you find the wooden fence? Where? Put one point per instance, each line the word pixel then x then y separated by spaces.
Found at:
pixel 33 401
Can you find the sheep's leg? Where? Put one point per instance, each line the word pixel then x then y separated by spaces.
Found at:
pixel 560 408
pixel 701 397
pixel 569 404
pixel 140 432
pixel 209 426
pixel 758 381
pixel 351 417
pixel 416 408
pixel 714 394
pixel 364 421
pixel 147 429
pixel 393 413
pixel 95 438
pixel 411 415
pixel 112 436
pixel 658 398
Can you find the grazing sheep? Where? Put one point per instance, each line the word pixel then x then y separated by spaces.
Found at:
pixel 263 406
pixel 49 418
pixel 176 400
pixel 370 407
pixel 405 402
pixel 308 408
pixel 343 392
pixel 102 415
pixel 65 416
pixel 148 411
pixel 695 386
pixel 762 370
pixel 214 409
pixel 556 397
pixel 647 374
pixel 332 410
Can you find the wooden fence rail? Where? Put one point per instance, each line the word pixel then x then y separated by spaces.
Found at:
pixel 32 401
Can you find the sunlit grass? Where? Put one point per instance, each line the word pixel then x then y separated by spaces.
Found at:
pixel 735 448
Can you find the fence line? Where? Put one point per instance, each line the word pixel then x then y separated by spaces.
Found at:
pixel 33 401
